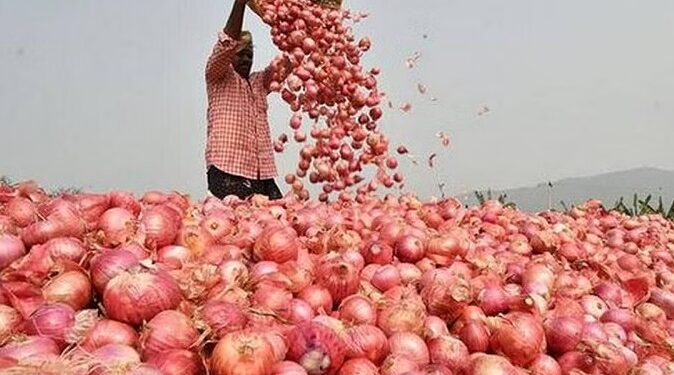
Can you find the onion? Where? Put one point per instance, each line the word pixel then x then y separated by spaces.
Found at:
pixel 277 244
pixel 233 272
pixel 625 318
pixel 358 366
pixel 126 201
pixel 54 321
pixel 475 335
pixel 409 249
pixel 663 299
pixel 519 336
pixel 159 227
pixel 357 309
pixel 223 317
pixel 338 276
pixel 104 267
pixel 316 348
pixel 386 278
pixel 242 352
pixel 449 351
pixel 447 299
pixel 117 226
pixel 135 296
pixel 563 334
pixel 66 248
pixel 537 278
pixel 411 345
pixel 378 252
pixel 367 341
pixel 319 298
pixel 646 369
pixel 174 256
pixel 405 315
pixel 409 273
pixel 443 249
pixel 480 363
pixel 301 311
pixel 434 327
pixel 273 298
pixel 575 360
pixel 168 330
pixel 114 358
pixel 22 211
pixel 398 365
pixel 545 365
pixel 11 249
pixel 72 288
pixel 288 368
pixel 25 347
pixel 594 305
pixel 218 225
pixel 106 332
pixel 493 300
pixel 177 362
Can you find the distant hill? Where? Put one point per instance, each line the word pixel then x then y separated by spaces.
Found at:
pixel 608 187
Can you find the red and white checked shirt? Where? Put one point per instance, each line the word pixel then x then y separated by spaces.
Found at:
pixel 238 137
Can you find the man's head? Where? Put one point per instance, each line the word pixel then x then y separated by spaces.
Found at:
pixel 243 62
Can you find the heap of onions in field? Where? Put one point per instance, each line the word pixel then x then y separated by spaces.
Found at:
pixel 109 284
pixel 329 87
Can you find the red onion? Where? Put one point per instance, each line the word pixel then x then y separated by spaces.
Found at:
pixel 493 300
pixel 301 311
pixel 663 299
pixel 646 369
pixel 174 256
pixel 338 276
pixel 480 363
pixel 9 320
pixel 405 315
pixel 357 309
pixel 409 249
pixel 594 333
pixel 168 330
pixel 219 225
pixel 22 211
pixel 273 298
pixel 378 252
pixel 545 365
pixel 434 327
pixel 537 278
pixel 398 365
pixel 449 351
pixel 625 318
pixel 126 201
pixel 409 273
pixel 518 336
pixel 66 248
pixel 72 288
pixel 11 249
pixel 242 352
pixel 319 298
pixel 316 348
pixel 106 332
pixel 159 227
pixel 444 248
pixel 117 226
pixel 114 358
pixel 21 347
pixel 475 335
pixel 177 362
pixel 575 360
pixel 447 300
pixel 54 321
pixel 105 266
pixel 223 317
pixel 366 341
pixel 563 334
pixel 135 296
pixel 277 244
pixel 233 272
pixel 411 345
pixel 358 366
pixel 594 305
pixel 288 368
pixel 386 278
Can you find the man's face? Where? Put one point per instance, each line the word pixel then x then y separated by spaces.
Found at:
pixel 244 61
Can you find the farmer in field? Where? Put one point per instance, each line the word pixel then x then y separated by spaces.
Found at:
pixel 239 154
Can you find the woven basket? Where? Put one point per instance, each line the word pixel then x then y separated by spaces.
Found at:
pixel 255 7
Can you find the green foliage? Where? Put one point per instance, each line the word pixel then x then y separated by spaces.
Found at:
pixel 643 206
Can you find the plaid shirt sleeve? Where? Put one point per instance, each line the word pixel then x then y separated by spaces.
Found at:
pixel 220 62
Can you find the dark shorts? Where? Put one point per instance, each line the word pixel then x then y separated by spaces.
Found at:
pixel 222 184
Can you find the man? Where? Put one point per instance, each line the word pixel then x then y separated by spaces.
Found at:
pixel 239 154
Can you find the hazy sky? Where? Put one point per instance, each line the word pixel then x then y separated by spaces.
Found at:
pixel 110 94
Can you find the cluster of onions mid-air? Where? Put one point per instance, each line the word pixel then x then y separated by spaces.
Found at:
pixel 329 87
pixel 392 285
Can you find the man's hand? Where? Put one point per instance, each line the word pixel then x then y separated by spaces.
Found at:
pixel 235 21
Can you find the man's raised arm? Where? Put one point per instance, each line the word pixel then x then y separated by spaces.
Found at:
pixel 220 62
